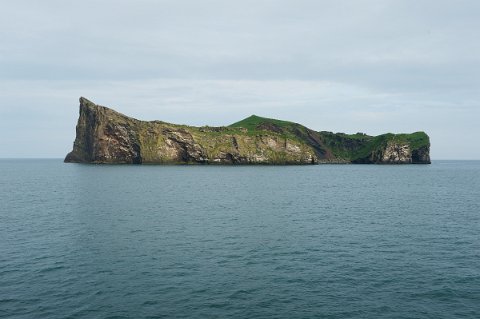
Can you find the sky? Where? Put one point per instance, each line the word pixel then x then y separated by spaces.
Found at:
pixel 343 66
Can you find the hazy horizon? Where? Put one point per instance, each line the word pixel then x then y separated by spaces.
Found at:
pixel 356 66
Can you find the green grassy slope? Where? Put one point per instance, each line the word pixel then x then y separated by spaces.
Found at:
pixel 253 121
pixel 341 146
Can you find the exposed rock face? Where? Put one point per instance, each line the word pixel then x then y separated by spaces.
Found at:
pixel 401 153
pixel 421 155
pixel 106 136
pixel 394 153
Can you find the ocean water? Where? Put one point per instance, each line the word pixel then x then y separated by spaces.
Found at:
pixel 326 241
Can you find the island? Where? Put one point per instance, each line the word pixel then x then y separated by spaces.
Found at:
pixel 104 136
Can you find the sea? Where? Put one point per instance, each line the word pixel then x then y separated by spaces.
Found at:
pixel 193 241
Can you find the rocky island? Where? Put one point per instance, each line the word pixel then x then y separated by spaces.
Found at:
pixel 106 136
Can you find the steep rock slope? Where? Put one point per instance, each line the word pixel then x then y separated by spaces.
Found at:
pixel 106 136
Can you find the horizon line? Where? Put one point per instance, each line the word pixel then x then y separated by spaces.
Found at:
pixel 61 158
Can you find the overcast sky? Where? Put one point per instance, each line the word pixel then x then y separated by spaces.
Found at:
pixel 342 66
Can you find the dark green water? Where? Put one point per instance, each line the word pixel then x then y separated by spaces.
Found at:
pixel 328 241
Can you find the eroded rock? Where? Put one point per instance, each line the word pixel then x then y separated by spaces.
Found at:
pixel 106 136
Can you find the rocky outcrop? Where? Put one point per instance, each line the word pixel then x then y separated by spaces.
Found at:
pixel 106 136
pixel 421 155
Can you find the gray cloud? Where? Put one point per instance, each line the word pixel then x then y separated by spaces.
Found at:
pixel 372 66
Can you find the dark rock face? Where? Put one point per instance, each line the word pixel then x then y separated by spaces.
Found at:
pixel 101 139
pixel 106 136
pixel 421 155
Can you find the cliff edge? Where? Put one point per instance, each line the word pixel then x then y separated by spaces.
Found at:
pixel 106 136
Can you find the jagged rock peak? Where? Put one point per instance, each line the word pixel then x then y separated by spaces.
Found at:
pixel 84 102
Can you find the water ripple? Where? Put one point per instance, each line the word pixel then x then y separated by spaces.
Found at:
pixel 81 241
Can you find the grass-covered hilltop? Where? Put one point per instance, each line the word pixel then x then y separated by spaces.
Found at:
pixel 106 136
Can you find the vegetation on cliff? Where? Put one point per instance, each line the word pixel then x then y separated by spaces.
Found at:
pixel 106 136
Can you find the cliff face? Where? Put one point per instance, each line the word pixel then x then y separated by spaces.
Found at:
pixel 106 136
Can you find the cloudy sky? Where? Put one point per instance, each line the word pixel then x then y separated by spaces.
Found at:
pixel 342 66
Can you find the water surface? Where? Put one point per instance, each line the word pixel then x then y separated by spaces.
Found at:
pixel 325 241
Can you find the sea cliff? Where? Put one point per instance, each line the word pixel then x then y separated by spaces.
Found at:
pixel 106 136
